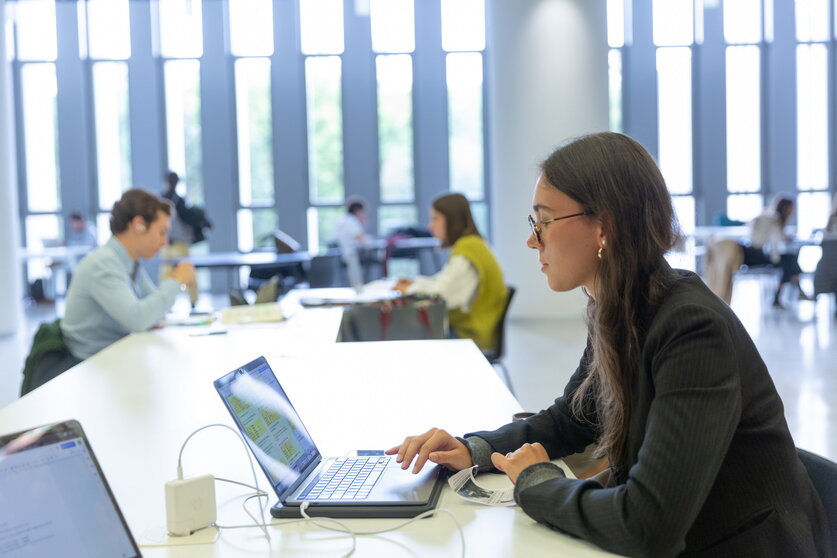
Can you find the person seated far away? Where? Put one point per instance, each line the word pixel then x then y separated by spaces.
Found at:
pixel 769 245
pixel 350 235
pixel 80 232
pixel 831 226
pixel 111 295
pixel 471 283
pixel 670 387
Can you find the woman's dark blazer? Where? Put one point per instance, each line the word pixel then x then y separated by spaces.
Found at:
pixel 711 469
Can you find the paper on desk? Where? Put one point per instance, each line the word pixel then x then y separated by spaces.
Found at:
pixel 465 485
pixel 245 314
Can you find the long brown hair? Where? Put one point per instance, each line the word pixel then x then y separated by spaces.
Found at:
pixel 458 219
pixel 615 178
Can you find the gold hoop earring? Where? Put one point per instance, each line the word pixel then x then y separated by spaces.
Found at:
pixel 600 252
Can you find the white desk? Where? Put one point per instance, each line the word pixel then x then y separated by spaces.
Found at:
pixel 138 400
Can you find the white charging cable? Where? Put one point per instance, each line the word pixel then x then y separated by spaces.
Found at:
pixel 259 491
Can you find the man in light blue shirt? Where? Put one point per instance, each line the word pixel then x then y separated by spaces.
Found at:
pixel 111 296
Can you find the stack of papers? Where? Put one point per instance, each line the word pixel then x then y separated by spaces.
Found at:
pixel 267 312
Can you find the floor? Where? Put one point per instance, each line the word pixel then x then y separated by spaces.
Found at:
pixel 799 345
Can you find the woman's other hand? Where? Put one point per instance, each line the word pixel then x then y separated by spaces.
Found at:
pixel 435 445
pixel 402 284
pixel 514 462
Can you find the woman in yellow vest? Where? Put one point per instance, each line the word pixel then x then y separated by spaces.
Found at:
pixel 471 282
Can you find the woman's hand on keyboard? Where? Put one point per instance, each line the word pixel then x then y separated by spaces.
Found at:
pixel 435 445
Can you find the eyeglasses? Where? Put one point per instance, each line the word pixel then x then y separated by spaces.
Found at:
pixel 536 225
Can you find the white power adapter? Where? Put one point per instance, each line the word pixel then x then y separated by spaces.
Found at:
pixel 190 505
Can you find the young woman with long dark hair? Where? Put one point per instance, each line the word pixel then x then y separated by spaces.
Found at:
pixel 670 387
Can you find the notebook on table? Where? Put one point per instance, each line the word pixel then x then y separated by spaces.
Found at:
pixel 365 483
pixel 54 499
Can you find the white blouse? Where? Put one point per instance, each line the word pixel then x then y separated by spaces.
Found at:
pixel 457 283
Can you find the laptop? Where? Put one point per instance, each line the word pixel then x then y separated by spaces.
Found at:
pixel 54 499
pixel 366 483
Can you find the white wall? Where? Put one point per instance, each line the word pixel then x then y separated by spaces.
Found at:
pixel 11 295
pixel 547 81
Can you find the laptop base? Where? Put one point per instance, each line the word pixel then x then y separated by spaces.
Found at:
pixel 361 511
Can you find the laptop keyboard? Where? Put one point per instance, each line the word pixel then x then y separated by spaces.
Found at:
pixel 348 478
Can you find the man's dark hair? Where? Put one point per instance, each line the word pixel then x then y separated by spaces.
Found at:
pixel 353 205
pixel 171 180
pixel 134 203
pixel 76 216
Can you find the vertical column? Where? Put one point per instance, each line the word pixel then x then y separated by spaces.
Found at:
pixel 360 113
pixel 779 105
pixel 290 136
pixel 145 88
pixel 639 70
pixel 538 47
pixel 220 174
pixel 76 143
pixel 710 141
pixel 430 108
pixel 11 293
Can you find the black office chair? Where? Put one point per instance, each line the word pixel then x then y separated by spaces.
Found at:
pixel 495 356
pixel 823 474
pixel 323 271
pixel 48 358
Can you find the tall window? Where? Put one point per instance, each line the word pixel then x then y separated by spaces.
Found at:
pixel 36 51
pixel 812 114
pixel 108 46
pixel 251 33
pixel 393 40
pixel 463 38
pixel 615 40
pixel 673 35
pixel 321 27
pixel 181 45
pixel 743 35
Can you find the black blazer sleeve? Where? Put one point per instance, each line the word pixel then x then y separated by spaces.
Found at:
pixel 690 423
pixel 556 428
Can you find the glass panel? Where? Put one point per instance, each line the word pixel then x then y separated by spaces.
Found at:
pixel 113 133
pixel 479 211
pixel 395 126
pixel 393 26
pixel 391 217
pixel 255 228
pixel 36 33
pixel 181 28
pixel 8 31
pixel 465 99
pixel 255 131
pixel 743 119
pixel 674 22
pixel 684 207
pixel 614 72
pixel 108 29
pixel 812 211
pixel 812 116
pixel 616 23
pixel 744 207
pixel 321 26
pixel 674 82
pixel 321 221
pixel 463 25
pixel 742 21
pixel 325 128
pixel 40 131
pixel 38 229
pixel 684 257
pixel 183 125
pixel 812 20
pixel 251 27
pixel 103 227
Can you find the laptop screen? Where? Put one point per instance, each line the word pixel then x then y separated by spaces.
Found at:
pixel 271 425
pixel 54 500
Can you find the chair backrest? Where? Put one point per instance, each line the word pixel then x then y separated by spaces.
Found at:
pixel 395 320
pixel 823 475
pixel 323 271
pixel 825 277
pixel 501 327
pixel 48 357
